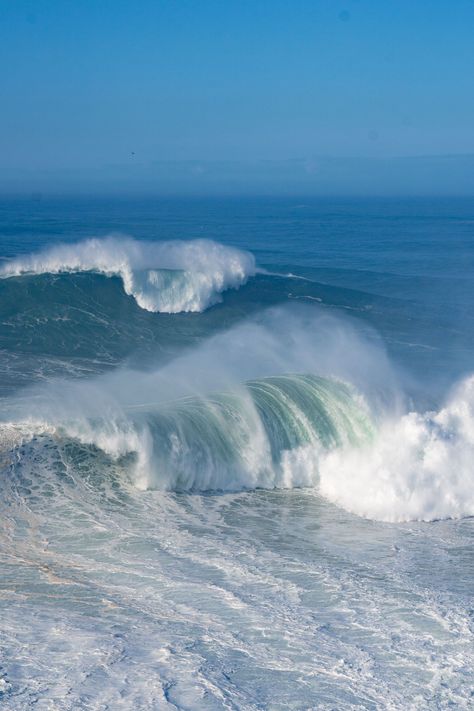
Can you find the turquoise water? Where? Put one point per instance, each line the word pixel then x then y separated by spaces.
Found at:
pixel 236 469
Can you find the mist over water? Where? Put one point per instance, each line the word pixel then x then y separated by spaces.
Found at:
pixel 235 476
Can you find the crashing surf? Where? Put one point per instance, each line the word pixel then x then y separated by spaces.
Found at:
pixel 166 277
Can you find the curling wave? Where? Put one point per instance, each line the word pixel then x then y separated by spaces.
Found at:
pixel 167 277
pixel 336 421
pixel 280 432
pixel 268 433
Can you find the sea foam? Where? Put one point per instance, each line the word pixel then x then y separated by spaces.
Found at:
pixel 420 466
pixel 166 277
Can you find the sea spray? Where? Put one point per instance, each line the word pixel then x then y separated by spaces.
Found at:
pixel 419 466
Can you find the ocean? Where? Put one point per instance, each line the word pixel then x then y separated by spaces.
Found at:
pixel 236 453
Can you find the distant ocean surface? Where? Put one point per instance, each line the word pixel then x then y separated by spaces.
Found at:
pixel 236 453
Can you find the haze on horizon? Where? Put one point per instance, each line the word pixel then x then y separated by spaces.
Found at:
pixel 321 96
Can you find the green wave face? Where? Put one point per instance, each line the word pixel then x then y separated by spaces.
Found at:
pixel 305 409
pixel 237 439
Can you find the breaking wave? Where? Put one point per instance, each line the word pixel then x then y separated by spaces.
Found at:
pixel 282 432
pixel 333 420
pixel 167 277
pixel 268 433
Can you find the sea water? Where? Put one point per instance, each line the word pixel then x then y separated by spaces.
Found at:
pixel 236 453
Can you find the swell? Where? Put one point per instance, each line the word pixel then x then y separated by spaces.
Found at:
pixel 84 323
pixel 166 277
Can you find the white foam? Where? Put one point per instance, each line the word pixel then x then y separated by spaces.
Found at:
pixel 419 467
pixel 169 277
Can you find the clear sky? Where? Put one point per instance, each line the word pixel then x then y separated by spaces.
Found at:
pixel 94 88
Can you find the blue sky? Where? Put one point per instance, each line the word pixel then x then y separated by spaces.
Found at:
pixel 86 85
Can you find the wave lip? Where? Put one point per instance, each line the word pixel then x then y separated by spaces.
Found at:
pixel 167 277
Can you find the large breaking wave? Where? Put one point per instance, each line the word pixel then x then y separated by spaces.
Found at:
pixel 167 277
pixel 267 433
pixel 293 399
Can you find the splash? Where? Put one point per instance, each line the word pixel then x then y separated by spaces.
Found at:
pixel 419 466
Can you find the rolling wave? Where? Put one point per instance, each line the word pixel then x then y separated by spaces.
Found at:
pixel 283 431
pixel 167 277
pixel 268 433
pixel 223 417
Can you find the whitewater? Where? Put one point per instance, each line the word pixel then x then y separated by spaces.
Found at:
pixel 229 479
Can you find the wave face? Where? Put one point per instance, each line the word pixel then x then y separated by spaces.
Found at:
pixel 268 434
pixel 167 277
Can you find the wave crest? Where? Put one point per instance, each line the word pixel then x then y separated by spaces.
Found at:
pixel 167 277
pixel 303 430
